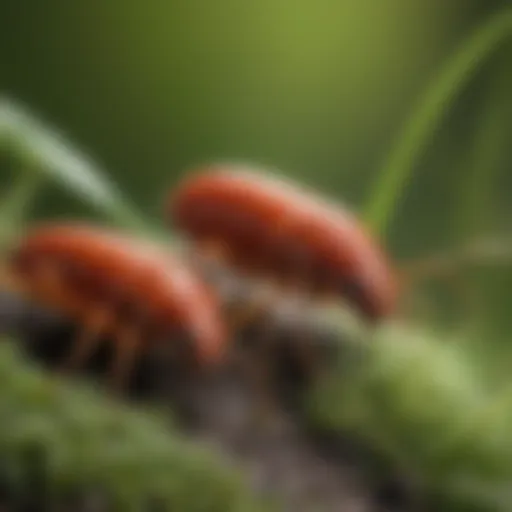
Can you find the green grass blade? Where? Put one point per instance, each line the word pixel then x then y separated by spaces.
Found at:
pixel 40 148
pixel 397 169
pixel 15 203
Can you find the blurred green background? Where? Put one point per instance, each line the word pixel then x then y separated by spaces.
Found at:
pixel 318 89
pixel 324 91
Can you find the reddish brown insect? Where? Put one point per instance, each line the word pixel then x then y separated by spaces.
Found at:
pixel 117 286
pixel 269 225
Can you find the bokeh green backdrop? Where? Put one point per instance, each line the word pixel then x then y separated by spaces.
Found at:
pixel 318 89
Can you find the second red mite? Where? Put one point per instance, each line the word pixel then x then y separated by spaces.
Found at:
pixel 274 226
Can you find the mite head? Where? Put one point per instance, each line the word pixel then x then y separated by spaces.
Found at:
pixel 369 285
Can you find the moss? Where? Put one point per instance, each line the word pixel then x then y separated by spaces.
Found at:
pixel 79 441
pixel 423 404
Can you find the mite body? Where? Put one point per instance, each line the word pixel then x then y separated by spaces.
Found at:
pixel 268 225
pixel 114 285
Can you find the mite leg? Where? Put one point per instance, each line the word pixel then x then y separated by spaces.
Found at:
pixel 48 285
pixel 9 282
pixel 216 264
pixel 210 255
pixel 128 343
pixel 86 343
pixel 241 317
pixel 212 248
pixel 259 357
pixel 252 302
pixel 254 307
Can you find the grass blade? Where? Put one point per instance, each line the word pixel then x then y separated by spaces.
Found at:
pixel 397 169
pixel 15 204
pixel 42 149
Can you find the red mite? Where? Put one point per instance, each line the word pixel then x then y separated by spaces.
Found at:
pixel 284 230
pixel 117 286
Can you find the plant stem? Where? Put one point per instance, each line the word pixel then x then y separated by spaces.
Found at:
pixel 397 169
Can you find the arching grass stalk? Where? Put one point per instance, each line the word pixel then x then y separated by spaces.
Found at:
pixel 15 202
pixel 41 150
pixel 396 171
